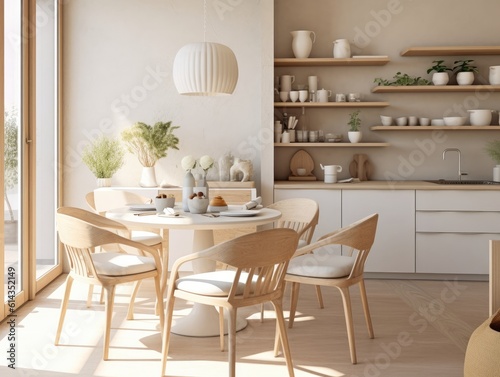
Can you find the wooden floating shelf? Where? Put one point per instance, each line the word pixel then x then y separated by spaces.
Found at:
pixel 430 128
pixel 316 62
pixel 331 104
pixel 451 51
pixel 436 89
pixel 330 145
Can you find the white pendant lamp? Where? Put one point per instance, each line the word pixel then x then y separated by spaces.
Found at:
pixel 205 68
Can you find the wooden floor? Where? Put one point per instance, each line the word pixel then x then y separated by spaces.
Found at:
pixel 421 329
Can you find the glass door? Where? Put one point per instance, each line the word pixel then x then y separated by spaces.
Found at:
pixel 29 99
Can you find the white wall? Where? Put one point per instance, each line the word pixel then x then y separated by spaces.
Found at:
pixel 388 27
pixel 118 57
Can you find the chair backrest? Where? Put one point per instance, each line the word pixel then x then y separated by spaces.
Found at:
pixel 81 236
pixel 299 214
pixel 263 255
pixel 358 236
pixel 104 200
pixel 95 219
pixel 89 198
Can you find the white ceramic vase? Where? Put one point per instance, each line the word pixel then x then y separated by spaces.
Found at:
pixel 302 43
pixel 494 76
pixel 148 177
pixel 440 78
pixel 103 182
pixel 187 190
pixel 496 173
pixel 465 78
pixel 354 136
pixel 341 49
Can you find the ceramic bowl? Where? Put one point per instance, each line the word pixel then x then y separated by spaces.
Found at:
pixel 301 171
pixel 424 121
pixel 386 120
pixel 454 121
pixel 402 121
pixel 217 208
pixel 437 122
pixel 197 205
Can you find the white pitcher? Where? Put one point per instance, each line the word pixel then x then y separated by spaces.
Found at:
pixel 494 77
pixel 302 43
pixel 341 49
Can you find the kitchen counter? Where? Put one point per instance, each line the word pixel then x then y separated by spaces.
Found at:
pixel 381 185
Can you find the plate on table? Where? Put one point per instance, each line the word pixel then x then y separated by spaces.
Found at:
pixel 240 213
pixel 142 207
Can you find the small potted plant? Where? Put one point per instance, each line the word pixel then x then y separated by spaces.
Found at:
pixel 149 144
pixel 104 156
pixel 354 123
pixel 464 71
pixel 493 150
pixel 440 75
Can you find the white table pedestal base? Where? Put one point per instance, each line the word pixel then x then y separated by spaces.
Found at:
pixel 203 320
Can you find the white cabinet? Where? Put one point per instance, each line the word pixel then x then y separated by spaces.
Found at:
pixel 394 247
pixel 453 229
pixel 329 202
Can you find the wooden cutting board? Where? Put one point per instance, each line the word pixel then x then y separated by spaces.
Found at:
pixel 361 167
pixel 302 159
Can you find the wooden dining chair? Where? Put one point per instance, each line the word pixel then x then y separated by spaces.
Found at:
pixel 339 271
pixel 108 269
pixel 148 237
pixel 258 263
pixel 120 229
pixel 301 215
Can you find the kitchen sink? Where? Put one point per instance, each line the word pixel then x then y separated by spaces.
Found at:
pixel 464 182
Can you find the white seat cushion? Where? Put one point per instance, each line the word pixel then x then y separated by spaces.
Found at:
pixel 216 283
pixel 119 264
pixel 147 238
pixel 321 266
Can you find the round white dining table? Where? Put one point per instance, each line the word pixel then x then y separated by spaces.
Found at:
pixel 203 320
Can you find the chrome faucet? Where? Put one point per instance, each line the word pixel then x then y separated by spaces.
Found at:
pixel 460 172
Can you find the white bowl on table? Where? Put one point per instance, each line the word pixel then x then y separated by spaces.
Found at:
pixel 198 205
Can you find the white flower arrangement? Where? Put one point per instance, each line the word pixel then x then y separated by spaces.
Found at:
pixel 188 163
pixel 206 162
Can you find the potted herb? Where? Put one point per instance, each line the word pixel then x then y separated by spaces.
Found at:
pixel 354 124
pixel 103 157
pixel 493 150
pixel 401 79
pixel 149 144
pixel 440 75
pixel 464 71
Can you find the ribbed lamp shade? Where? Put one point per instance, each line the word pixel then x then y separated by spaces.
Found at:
pixel 205 69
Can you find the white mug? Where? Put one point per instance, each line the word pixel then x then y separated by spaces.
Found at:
pixel 323 95
pixel 332 169
pixel 286 82
pixel 330 178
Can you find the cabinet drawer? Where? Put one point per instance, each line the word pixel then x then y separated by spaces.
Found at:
pixel 457 200
pixel 453 253
pixel 464 222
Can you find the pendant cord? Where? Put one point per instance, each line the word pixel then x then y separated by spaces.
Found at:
pixel 204 20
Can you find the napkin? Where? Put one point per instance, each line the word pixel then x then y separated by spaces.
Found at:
pixel 254 203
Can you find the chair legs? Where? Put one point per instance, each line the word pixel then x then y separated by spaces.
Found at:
pixel 130 313
pixel 64 306
pixel 231 344
pixel 109 301
pixel 366 308
pixel 320 297
pixel 166 334
pixel 293 303
pixel 280 324
pixel 346 300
